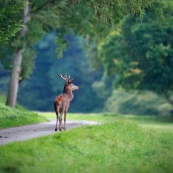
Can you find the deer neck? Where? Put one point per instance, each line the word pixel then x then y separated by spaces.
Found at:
pixel 68 93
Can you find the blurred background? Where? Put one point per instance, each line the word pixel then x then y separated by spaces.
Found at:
pixel 122 66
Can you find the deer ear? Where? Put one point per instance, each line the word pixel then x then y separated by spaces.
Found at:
pixel 71 80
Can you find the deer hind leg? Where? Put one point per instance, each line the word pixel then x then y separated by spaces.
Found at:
pixel 60 122
pixel 60 117
pixel 57 112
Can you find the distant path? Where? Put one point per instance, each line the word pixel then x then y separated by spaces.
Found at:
pixel 35 130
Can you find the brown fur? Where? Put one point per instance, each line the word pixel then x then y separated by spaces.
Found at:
pixel 62 102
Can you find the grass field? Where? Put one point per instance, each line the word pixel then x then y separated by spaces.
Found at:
pixel 16 117
pixel 145 121
pixel 121 146
pixel 123 143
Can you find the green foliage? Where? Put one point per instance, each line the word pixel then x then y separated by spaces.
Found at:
pixel 151 53
pixel 105 11
pixel 94 19
pixel 28 63
pixel 39 24
pixel 140 54
pixel 135 103
pixel 122 147
pixel 16 117
pixel 84 17
pixel 9 23
pixel 163 11
pixel 61 41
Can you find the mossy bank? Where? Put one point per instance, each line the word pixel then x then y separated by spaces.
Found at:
pixel 122 146
pixel 16 117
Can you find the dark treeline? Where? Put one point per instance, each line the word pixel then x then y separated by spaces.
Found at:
pixel 38 92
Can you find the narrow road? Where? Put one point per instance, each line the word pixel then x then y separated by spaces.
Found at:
pixel 35 130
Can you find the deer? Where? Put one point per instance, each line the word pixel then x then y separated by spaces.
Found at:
pixel 62 101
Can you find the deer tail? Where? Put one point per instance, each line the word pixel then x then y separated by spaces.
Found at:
pixel 56 109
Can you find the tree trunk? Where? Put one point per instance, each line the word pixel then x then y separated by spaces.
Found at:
pixel 14 79
pixel 15 71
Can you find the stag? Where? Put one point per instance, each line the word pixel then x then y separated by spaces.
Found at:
pixel 62 102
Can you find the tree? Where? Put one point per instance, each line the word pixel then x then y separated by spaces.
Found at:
pixel 102 10
pixel 15 71
pixel 141 54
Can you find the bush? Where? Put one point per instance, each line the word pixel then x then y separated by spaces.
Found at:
pixel 145 103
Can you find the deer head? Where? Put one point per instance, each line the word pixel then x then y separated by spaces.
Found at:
pixel 69 82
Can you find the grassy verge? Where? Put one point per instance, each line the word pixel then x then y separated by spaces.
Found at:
pixel 16 117
pixel 122 146
pixel 146 121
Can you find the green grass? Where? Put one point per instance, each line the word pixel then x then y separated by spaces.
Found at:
pixel 121 146
pixel 146 121
pixel 16 117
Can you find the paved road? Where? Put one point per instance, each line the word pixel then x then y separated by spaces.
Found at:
pixel 35 130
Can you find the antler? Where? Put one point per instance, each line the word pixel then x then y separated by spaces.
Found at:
pixel 66 78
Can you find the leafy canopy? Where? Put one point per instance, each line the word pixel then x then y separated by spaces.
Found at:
pixel 10 24
pixel 140 53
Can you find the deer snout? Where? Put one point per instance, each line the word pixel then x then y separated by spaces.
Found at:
pixel 76 88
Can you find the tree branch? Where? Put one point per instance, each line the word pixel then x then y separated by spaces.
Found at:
pixel 41 8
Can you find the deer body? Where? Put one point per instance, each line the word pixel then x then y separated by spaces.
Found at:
pixel 62 102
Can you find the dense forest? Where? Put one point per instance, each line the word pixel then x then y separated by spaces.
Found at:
pixel 96 92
